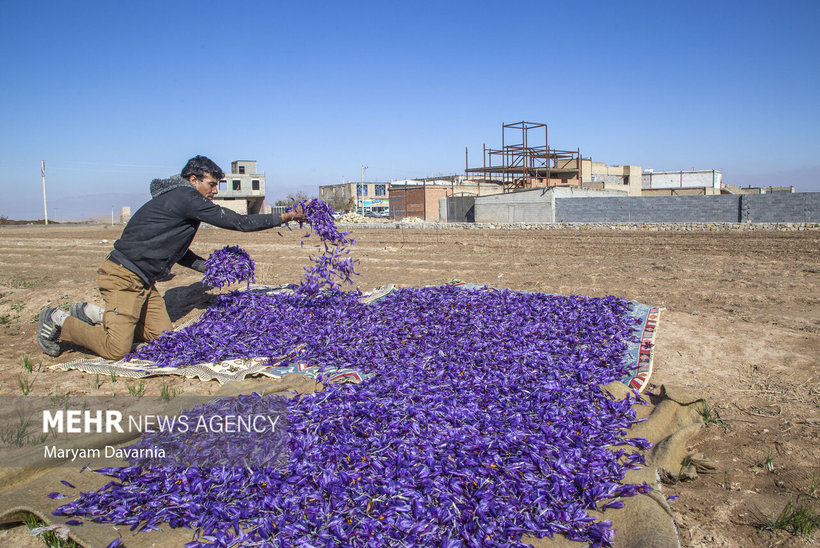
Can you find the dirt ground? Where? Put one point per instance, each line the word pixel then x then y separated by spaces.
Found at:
pixel 741 327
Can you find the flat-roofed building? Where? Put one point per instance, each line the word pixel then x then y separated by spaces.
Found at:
pixel 681 183
pixel 365 197
pixel 243 189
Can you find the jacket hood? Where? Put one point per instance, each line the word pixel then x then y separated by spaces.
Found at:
pixel 161 186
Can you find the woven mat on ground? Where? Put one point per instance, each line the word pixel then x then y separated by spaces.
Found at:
pixel 672 419
pixel 228 370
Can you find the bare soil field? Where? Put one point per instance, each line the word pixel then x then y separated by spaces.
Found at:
pixel 741 326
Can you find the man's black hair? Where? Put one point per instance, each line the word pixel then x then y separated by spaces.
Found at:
pixel 198 166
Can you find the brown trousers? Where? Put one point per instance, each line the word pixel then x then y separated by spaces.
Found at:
pixel 133 310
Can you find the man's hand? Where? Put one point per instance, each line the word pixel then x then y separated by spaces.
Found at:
pixel 298 214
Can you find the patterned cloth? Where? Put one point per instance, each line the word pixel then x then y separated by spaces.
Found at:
pixel 225 371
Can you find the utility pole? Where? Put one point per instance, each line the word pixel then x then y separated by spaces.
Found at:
pixel 43 172
pixel 362 187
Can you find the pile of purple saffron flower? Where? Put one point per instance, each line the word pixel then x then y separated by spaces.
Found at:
pixel 332 263
pixel 229 265
pixel 482 421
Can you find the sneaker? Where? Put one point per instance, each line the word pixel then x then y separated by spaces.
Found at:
pixel 47 333
pixel 77 310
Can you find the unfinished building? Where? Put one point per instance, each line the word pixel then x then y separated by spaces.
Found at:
pixel 243 189
pixel 525 160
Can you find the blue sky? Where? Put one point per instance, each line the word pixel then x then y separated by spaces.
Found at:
pixel 113 94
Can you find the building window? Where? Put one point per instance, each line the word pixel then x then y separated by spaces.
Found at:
pixel 223 186
pixel 361 189
pixel 255 184
pixel 241 170
pixel 237 185
pixel 381 190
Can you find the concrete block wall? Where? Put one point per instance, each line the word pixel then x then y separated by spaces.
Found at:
pixel 580 205
pixel 724 208
pixel 521 212
pixel 610 179
pixel 528 206
pixel 459 209
pixel 781 207
pixel 669 209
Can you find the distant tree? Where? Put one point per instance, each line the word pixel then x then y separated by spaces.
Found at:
pixel 293 199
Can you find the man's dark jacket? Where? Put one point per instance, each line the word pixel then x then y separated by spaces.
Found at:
pixel 160 232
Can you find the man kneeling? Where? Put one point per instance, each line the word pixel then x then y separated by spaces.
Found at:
pixel 158 235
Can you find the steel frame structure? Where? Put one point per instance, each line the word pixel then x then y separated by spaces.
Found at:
pixel 523 165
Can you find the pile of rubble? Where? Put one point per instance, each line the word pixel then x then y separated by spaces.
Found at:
pixel 351 217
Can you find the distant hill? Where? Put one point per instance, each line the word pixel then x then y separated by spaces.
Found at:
pixel 98 219
pixel 7 221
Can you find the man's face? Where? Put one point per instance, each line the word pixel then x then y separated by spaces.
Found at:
pixel 207 186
